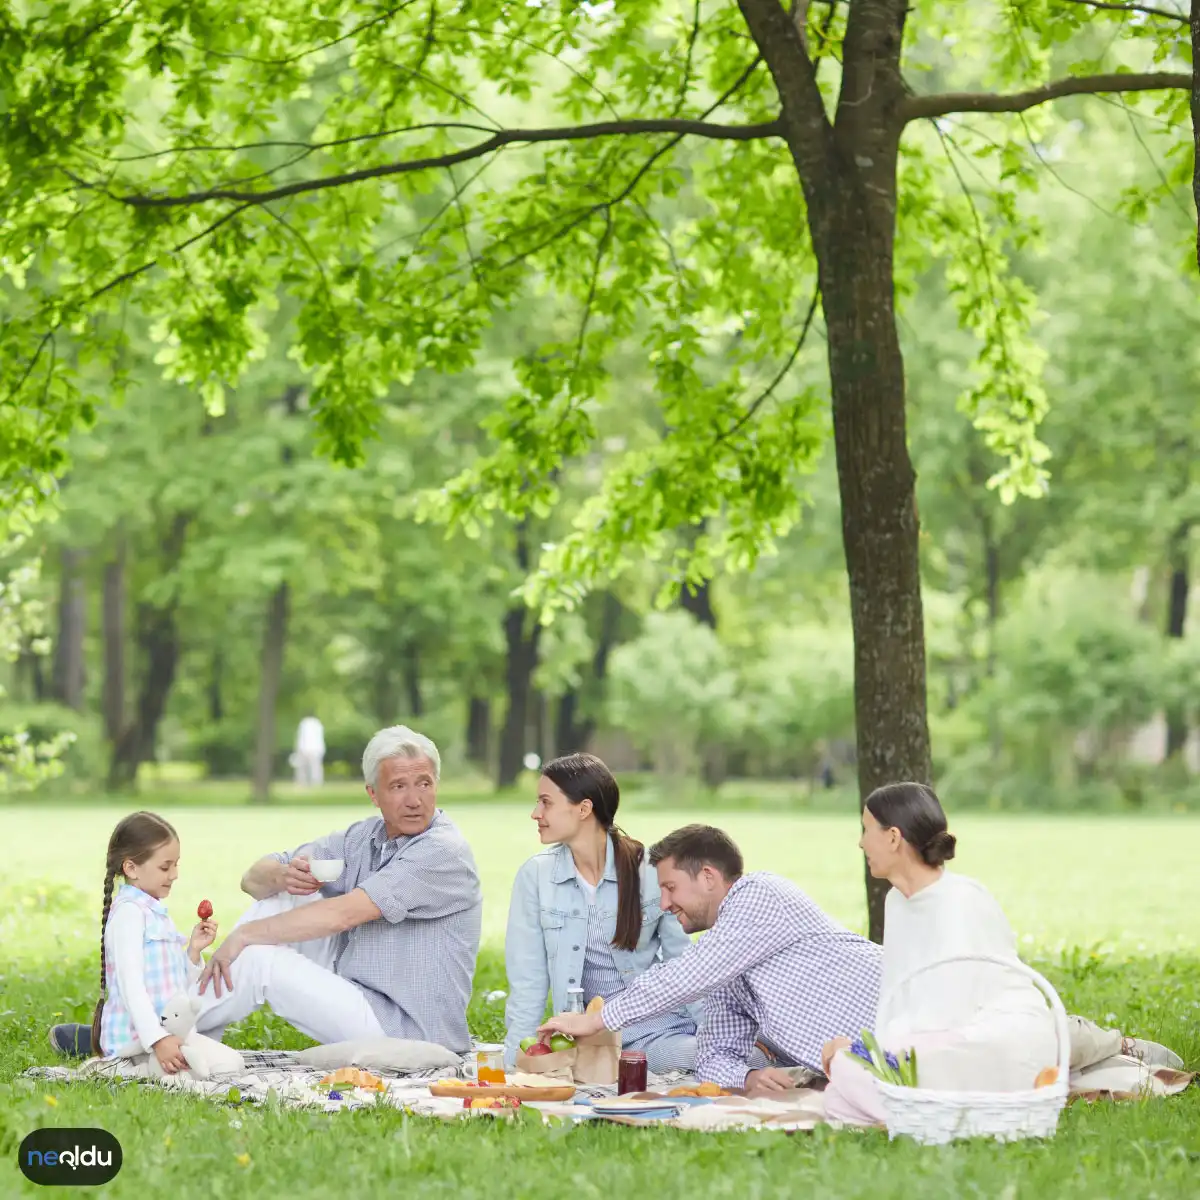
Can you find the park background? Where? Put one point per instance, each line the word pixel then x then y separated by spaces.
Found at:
pixel 204 575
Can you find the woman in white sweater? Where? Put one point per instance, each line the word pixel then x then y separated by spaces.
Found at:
pixel 974 1026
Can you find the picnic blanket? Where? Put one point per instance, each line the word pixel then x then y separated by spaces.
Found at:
pixel 278 1077
pixel 276 1074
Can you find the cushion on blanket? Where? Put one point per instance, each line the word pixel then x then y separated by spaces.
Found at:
pixel 396 1054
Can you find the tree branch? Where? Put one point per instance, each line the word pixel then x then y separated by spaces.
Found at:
pixel 917 107
pixel 1147 9
pixel 809 133
pixel 769 391
pixel 1195 104
pixel 500 139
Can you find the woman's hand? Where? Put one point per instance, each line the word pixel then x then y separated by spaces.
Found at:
pixel 574 1025
pixel 169 1052
pixel 830 1050
pixel 203 936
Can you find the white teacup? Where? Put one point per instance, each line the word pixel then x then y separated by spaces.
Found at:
pixel 326 870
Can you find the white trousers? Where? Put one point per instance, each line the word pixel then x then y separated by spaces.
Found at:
pixel 296 980
pixel 309 769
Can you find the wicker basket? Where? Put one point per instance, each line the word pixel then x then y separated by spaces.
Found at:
pixel 936 1117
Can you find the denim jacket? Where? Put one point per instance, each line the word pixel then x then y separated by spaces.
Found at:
pixel 547 937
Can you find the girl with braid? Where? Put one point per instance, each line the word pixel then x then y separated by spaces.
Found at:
pixel 144 959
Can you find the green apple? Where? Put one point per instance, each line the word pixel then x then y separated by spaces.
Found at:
pixel 560 1041
pixel 527 1042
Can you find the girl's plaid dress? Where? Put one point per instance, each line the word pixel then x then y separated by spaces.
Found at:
pixel 164 966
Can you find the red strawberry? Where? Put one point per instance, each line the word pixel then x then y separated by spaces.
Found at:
pixel 205 910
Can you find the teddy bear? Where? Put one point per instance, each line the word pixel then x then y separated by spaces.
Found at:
pixel 205 1056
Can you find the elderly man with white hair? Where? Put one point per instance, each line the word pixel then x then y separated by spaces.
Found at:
pixel 388 947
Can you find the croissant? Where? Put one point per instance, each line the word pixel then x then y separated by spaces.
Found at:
pixel 354 1077
pixel 698 1089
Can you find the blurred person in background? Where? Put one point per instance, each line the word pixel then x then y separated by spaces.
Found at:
pixel 309 756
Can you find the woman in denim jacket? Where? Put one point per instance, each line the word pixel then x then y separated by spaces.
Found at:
pixel 585 914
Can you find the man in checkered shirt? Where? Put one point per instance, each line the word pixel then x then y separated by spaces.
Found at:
pixel 777 975
pixel 388 947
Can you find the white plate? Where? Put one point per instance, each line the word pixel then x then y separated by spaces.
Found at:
pixel 632 1108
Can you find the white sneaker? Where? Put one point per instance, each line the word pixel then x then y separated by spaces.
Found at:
pixel 1152 1054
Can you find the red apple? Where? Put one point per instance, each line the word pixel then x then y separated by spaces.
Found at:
pixel 538 1048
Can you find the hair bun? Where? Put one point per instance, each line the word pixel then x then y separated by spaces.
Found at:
pixel 939 848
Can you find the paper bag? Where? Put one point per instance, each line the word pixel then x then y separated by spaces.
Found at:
pixel 597 1057
pixel 557 1065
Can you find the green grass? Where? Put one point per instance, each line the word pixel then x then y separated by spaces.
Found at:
pixel 1106 908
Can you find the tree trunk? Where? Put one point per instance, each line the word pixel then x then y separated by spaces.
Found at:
pixel 991 555
pixel 216 675
pixel 412 681
pixel 539 725
pixel 572 728
pixel 1195 23
pixel 68 646
pixel 847 171
pixel 697 598
pixel 158 642
pixel 383 697
pixel 159 648
pixel 31 665
pixel 274 640
pixel 879 531
pixel 569 735
pixel 479 731
pixel 113 700
pixel 1177 603
pixel 521 636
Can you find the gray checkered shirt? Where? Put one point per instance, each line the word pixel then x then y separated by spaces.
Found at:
pixel 773 968
pixel 416 962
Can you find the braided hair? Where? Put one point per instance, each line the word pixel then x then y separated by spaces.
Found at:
pixel 135 839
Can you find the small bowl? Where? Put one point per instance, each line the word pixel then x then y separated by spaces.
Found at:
pixel 326 870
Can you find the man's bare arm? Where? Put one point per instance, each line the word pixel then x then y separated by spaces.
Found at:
pixel 316 920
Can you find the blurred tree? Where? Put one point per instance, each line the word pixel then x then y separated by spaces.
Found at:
pixel 154 154
pixel 675 692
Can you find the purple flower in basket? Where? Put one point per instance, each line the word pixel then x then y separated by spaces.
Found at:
pixel 335 1095
pixel 859 1047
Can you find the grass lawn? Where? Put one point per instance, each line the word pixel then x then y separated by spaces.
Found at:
pixel 1105 906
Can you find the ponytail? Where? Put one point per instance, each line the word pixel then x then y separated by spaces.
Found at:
pixel 628 855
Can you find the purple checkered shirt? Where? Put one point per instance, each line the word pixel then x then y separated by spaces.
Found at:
pixel 773 967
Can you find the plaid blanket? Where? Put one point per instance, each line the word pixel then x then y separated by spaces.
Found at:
pixel 269 1075
pixel 277 1076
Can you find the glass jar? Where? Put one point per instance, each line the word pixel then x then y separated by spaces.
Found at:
pixel 575 1000
pixel 489 1064
pixel 631 1072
